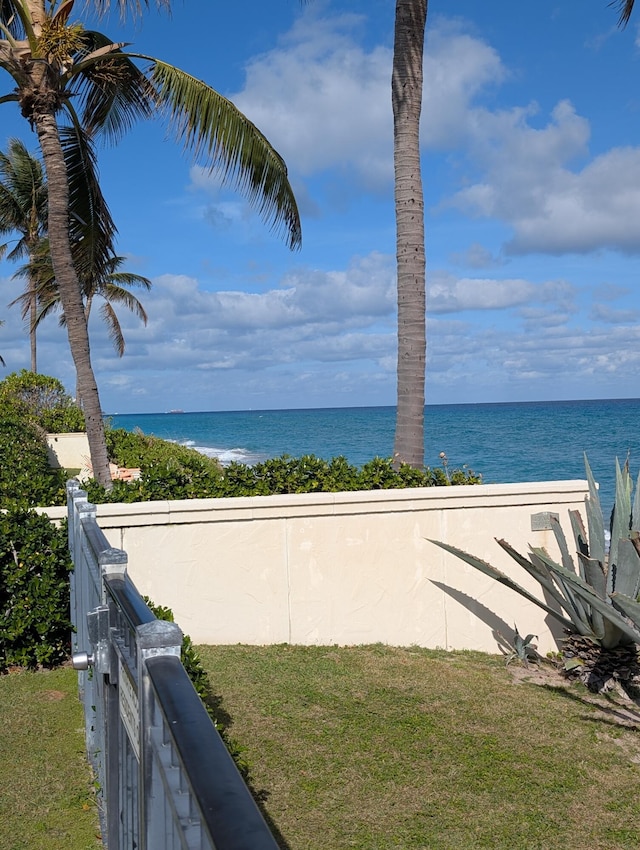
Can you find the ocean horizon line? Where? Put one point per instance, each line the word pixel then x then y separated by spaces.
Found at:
pixel 466 404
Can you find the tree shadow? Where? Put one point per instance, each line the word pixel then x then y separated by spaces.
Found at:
pixel 224 722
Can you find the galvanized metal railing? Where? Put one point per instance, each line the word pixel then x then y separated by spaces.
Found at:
pixel 165 778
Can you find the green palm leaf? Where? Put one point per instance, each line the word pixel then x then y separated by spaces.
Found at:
pixel 209 125
pixel 92 230
pixel 113 94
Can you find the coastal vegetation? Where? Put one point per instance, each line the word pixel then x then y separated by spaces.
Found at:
pixel 597 601
pixel 170 471
pixel 74 86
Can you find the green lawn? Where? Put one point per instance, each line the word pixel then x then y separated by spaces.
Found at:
pixel 371 747
pixel 394 749
pixel 46 799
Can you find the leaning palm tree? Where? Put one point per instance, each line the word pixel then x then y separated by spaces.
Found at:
pixel 23 210
pixel 406 97
pixel 67 76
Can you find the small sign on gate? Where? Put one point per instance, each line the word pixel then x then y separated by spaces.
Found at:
pixel 129 713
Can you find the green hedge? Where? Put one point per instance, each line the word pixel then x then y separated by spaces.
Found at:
pixel 41 400
pixel 34 590
pixel 170 471
pixel 26 479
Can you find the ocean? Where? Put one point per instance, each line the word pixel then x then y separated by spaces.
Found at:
pixel 505 442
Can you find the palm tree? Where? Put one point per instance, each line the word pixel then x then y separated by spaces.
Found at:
pixel 406 97
pixel 23 209
pixel 73 84
pixel 106 283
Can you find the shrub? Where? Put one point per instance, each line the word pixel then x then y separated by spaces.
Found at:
pixel 42 400
pixel 26 479
pixel 34 590
pixel 170 471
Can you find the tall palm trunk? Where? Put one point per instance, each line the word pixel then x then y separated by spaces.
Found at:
pixel 406 96
pixel 33 316
pixel 69 288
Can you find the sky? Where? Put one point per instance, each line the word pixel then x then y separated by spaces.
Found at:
pixel 530 142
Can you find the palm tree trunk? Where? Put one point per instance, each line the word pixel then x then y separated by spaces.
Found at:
pixel 406 96
pixel 70 293
pixel 33 314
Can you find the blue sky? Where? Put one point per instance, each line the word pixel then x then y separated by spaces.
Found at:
pixel 531 168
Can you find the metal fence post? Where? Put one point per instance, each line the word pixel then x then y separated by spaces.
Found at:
pixel 166 780
pixel 153 639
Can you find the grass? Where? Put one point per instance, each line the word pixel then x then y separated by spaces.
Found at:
pixel 46 799
pixel 390 749
pixel 372 747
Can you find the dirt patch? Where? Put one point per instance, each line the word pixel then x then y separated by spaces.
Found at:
pixel 618 707
pixel 52 696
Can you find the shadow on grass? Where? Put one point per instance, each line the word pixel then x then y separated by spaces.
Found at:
pixel 224 722
pixel 616 714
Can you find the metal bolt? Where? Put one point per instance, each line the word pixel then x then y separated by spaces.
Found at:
pixel 82 661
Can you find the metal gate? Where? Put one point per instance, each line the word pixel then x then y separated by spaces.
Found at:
pixel 165 780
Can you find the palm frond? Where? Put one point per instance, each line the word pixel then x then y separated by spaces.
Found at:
pixel 113 94
pixel 91 228
pixel 133 8
pixel 115 294
pixel 23 198
pixel 114 328
pixel 10 18
pixel 625 8
pixel 209 125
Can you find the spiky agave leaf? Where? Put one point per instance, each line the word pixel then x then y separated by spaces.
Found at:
pixel 627 606
pixel 595 521
pixel 603 606
pixel 620 521
pixel 498 575
pixel 635 510
pixel 594 575
pixel 627 571
pixel 554 585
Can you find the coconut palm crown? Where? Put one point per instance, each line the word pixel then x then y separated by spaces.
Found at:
pixel 73 85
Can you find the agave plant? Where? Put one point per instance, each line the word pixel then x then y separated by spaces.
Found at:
pixel 594 598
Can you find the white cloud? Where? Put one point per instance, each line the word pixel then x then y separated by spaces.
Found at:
pixel 447 294
pixel 323 100
pixel 530 182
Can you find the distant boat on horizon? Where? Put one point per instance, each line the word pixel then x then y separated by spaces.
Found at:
pixel 177 410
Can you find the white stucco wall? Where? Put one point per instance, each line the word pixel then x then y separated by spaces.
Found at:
pixel 343 568
pixel 68 451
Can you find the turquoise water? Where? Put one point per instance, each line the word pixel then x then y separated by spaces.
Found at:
pixel 510 442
